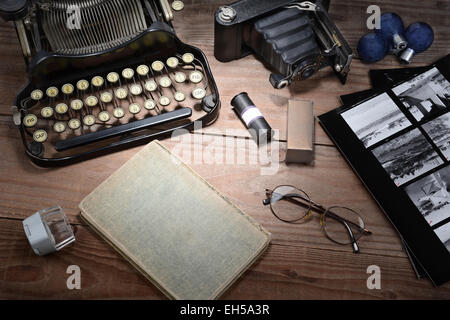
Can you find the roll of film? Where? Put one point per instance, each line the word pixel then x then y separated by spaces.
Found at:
pixel 258 127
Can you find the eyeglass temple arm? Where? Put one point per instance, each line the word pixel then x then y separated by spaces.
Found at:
pixel 352 237
pixel 316 207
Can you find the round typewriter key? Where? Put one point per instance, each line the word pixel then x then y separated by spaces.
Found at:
pixel 89 120
pixel 179 96
pixel 59 127
pixel 76 104
pixel 134 108
pixel 121 93
pixel 149 104
pixel 40 136
pixel 47 112
pixel 74 124
pixel 199 93
pixel 165 82
pixel 30 120
pixel 172 62
pixel 188 58
pixel 112 77
pixel 106 97
pixel 136 89
pixel 157 66
pixel 82 85
pixel 128 73
pixel 196 77
pixel 97 81
pixel 177 5
pixel 164 101
pixel 143 70
pixel 104 116
pixel 52 92
pixel 180 77
pixel 151 85
pixel 37 95
pixel 91 101
pixel 118 113
pixel 61 108
pixel 67 89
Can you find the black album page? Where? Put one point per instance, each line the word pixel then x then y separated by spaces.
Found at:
pixel 398 142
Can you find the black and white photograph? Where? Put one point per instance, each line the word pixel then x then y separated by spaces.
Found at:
pixel 439 131
pixel 425 95
pixel 407 157
pixel 444 234
pixel 431 196
pixel 376 119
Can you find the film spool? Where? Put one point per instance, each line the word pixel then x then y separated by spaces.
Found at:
pixel 254 120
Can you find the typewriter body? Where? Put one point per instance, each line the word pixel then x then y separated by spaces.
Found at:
pixel 104 75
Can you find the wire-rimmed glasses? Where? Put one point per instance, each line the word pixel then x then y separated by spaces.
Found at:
pixel 340 224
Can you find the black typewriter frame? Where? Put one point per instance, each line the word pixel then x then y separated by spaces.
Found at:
pixel 126 141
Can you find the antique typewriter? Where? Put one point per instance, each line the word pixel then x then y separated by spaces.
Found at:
pixel 105 75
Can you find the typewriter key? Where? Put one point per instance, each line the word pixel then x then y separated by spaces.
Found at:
pixel 47 112
pixel 180 77
pixel 112 77
pixel 104 116
pixel 179 96
pixel 40 136
pixel 118 113
pixel 52 92
pixel 37 95
pixel 59 127
pixel 76 104
pixel 196 77
pixel 91 101
pixel 89 120
pixel 74 124
pixel 128 73
pixel 199 93
pixel 142 70
pixel 151 85
pixel 121 93
pixel 164 101
pixel 97 81
pixel 165 82
pixel 188 58
pixel 157 66
pixel 177 5
pixel 150 104
pixel 134 108
pixel 136 89
pixel 61 108
pixel 67 89
pixel 30 120
pixel 82 85
pixel 172 62
pixel 106 97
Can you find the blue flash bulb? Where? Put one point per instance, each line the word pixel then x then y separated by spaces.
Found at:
pixel 420 36
pixel 392 29
pixel 372 47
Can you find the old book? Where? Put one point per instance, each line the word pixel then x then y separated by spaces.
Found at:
pixel 175 228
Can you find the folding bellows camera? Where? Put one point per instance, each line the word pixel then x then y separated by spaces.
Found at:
pixel 295 38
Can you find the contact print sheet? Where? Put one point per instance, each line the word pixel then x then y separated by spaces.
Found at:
pixel 398 142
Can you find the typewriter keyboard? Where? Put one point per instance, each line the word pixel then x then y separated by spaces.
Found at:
pixel 115 103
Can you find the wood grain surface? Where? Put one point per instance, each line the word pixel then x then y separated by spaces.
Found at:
pixel 301 262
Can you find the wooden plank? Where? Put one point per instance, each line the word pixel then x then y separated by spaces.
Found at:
pixel 284 272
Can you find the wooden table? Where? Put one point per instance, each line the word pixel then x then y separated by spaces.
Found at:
pixel 301 262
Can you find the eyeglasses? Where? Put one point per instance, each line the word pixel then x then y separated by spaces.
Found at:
pixel 341 225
